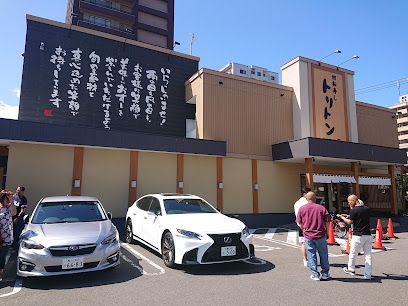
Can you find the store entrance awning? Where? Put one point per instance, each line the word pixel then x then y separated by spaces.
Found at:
pixel 336 150
pixel 319 178
pixel 377 181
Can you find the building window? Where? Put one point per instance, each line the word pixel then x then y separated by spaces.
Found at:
pixel 263 74
pixel 191 128
pixel 259 74
pixel 242 71
pixel 272 78
pixel 99 21
pixel 252 72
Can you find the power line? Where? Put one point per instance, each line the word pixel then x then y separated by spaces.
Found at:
pixel 389 82
pixel 382 86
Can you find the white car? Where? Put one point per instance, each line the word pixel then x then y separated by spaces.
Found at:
pixel 185 229
pixel 65 235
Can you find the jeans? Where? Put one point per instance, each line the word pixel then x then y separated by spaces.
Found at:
pixel 17 229
pixel 358 242
pixel 319 245
pixel 3 254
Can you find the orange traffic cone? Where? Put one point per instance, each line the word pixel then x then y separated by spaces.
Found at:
pixel 378 237
pixel 330 239
pixel 390 230
pixel 347 250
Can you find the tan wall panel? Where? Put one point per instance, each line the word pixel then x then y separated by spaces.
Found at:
pixel 43 169
pixel 376 126
pixel 200 177
pixel 249 116
pixel 279 186
pixel 237 186
pixel 156 173
pixel 106 176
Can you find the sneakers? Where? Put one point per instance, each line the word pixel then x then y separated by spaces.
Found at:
pixel 325 277
pixel 305 263
pixel 347 271
pixel 315 278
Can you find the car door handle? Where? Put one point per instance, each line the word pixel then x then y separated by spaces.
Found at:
pixel 134 214
pixel 145 217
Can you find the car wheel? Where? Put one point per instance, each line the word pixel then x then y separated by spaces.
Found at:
pixel 129 232
pixel 168 253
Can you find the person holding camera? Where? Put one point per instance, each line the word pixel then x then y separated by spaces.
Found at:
pixel 359 218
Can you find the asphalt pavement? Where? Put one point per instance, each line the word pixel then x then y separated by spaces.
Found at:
pixel 276 277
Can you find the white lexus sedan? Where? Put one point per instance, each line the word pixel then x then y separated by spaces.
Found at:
pixel 185 229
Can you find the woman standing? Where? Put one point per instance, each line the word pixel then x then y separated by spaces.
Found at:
pixel 7 211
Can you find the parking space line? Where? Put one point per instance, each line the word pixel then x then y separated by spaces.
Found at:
pixel 295 246
pixel 137 254
pixel 292 237
pixel 270 233
pixel 16 289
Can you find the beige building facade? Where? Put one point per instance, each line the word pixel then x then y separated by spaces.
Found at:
pixel 256 144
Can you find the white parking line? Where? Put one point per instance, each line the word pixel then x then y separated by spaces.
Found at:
pixel 292 237
pixel 137 254
pixel 295 246
pixel 270 233
pixel 265 248
pixel 16 289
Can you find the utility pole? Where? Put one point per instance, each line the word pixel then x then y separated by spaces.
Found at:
pixel 399 87
pixel 193 37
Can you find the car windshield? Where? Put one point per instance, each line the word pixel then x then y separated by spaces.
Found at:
pixel 68 212
pixel 187 206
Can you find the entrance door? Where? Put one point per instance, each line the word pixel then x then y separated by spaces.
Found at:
pixel 333 196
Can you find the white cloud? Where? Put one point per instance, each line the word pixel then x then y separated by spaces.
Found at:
pixel 17 92
pixel 8 111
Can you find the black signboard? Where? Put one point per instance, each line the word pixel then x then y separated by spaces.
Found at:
pixel 78 79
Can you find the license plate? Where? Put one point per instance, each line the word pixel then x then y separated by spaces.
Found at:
pixel 228 251
pixel 72 263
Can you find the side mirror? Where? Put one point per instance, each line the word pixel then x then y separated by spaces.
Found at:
pixel 157 213
pixel 109 216
pixel 26 218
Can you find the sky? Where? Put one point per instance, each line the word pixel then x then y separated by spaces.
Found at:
pixel 266 33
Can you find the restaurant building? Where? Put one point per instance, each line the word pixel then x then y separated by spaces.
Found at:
pixel 105 116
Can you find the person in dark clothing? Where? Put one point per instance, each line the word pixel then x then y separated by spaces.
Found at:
pixel 360 219
pixel 20 202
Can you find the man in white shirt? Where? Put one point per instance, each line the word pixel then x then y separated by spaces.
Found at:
pixel 299 203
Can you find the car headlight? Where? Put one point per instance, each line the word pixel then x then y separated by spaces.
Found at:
pixel 108 240
pixel 27 244
pixel 245 232
pixel 189 234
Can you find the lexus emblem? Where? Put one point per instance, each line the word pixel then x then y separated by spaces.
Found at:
pixel 73 248
pixel 227 239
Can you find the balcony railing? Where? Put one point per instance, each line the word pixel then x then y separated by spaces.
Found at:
pixel 128 10
pixel 124 30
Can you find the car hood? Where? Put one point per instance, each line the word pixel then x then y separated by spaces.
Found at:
pixel 69 233
pixel 211 223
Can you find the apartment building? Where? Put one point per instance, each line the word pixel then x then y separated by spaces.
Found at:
pixel 402 121
pixel 148 21
pixel 251 71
